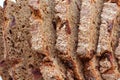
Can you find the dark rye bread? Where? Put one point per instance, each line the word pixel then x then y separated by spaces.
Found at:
pixel 88 37
pixel 67 16
pixel 17 38
pixel 116 30
pixel 110 19
pixel 25 39
pixel 10 22
pixel 107 40
pixel 43 38
pixel 117 54
pixel 89 25
pixel 9 32
pixel 117 49
pixel 1 37
pixel 1 34
pixel 33 50
pixel 3 71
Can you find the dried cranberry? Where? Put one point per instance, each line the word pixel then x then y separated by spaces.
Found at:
pixel 110 26
pixel 12 23
pixel 2 63
pixel 37 74
pixel 37 13
pixel 67 28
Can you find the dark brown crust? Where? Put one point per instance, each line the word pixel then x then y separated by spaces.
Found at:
pixel 114 1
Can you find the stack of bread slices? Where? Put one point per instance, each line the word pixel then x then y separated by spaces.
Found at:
pixel 60 40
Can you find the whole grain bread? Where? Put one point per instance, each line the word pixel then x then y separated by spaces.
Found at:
pixel 67 16
pixel 107 41
pixel 88 33
pixel 60 40
pixel 1 36
pixel 43 38
pixel 89 25
pixel 17 36
pixel 3 70
pixel 117 54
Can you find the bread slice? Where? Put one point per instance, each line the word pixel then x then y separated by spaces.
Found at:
pixel 3 70
pixel 9 30
pixel 43 38
pixel 116 38
pixel 1 35
pixel 108 28
pixel 67 19
pixel 115 41
pixel 17 38
pixel 87 44
pixel 89 25
pixel 117 54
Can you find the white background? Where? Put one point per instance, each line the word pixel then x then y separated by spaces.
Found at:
pixel 0 78
pixel 1 3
